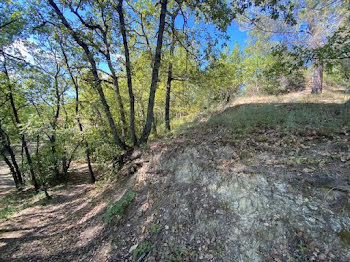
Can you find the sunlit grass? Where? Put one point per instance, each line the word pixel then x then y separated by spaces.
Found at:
pixel 251 117
pixel 297 110
pixel 17 201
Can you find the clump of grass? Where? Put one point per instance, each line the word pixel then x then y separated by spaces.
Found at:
pixel 116 211
pixel 155 229
pixel 251 117
pixel 141 249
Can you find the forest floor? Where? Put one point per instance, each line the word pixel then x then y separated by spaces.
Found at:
pixel 262 179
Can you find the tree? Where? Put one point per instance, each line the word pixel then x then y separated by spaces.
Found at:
pixel 315 22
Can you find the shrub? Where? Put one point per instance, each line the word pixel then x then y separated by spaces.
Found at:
pixel 116 211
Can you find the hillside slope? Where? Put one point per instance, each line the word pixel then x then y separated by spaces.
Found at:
pixel 253 182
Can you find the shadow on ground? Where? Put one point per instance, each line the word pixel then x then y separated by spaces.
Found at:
pixel 65 228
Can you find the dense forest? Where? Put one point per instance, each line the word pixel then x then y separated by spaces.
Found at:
pixel 94 82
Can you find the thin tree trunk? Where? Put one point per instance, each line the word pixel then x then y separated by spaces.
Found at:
pixel 54 125
pixel 170 74
pixel 317 79
pixel 15 165
pixel 23 139
pixel 7 147
pixel 87 149
pixel 86 144
pixel 43 184
pixel 155 73
pixel 107 54
pixel 154 126
pixel 128 71
pixel 117 93
pixel 93 69
pixel 12 169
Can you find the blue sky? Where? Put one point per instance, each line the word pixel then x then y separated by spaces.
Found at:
pixel 236 36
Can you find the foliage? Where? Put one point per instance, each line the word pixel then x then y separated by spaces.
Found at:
pixel 116 211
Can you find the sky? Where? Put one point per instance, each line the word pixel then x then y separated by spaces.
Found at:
pixel 236 36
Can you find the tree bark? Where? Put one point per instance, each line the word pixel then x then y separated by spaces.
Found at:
pixel 155 73
pixel 54 125
pixel 170 74
pixel 317 79
pixel 128 71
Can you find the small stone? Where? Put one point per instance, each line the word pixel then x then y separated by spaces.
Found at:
pixel 132 248
pixel 166 227
pixel 209 256
pixel 322 256
pixel 220 212
pixel 311 219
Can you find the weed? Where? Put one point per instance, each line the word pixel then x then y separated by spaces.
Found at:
pixel 155 229
pixel 302 248
pixel 116 211
pixel 141 249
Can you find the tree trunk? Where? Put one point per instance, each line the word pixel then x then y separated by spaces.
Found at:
pixel 155 73
pixel 12 170
pixel 43 183
pixel 93 69
pixel 317 79
pixel 23 139
pixel 128 71
pixel 170 74
pixel 116 86
pixel 154 126
pixel 7 147
pixel 86 144
pixel 54 125
pixel 15 165
pixel 119 98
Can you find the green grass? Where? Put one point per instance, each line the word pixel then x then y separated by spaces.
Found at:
pixel 141 249
pixel 17 201
pixel 251 117
pixel 116 211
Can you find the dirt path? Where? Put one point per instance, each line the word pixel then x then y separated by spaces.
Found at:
pixel 6 181
pixel 67 228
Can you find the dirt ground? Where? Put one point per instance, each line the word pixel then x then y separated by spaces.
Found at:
pixel 66 228
pixel 6 181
